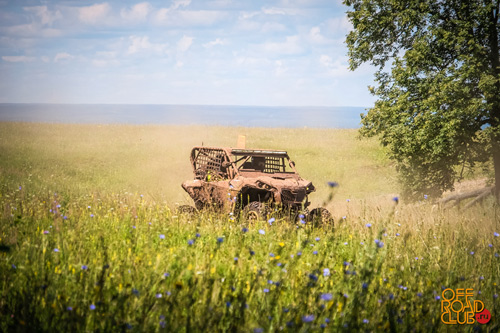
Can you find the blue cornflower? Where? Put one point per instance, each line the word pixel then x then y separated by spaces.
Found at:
pixel 271 255
pixel 437 298
pixel 244 230
pixel 265 290
pixel 326 297
pixel 471 253
pixel 308 318
pixel 345 296
pixel 69 308
pixel 258 330
pixel 158 295
pixel 162 236
pixel 315 252
pixel 490 245
pixel 365 285
pixel 419 294
pixel 92 307
pixel 365 321
pixel 425 196
pixel 397 234
pixel 235 258
pixel 91 215
pixel 191 242
pixel 326 272
pixel 496 234
pixel 313 277
pixel 228 304
pixel 135 291
pixel 220 240
pixel 395 199
pixel 299 253
pixel 271 220
pixel 317 239
pixel 252 252
pixel 198 235
pixel 56 250
pixel 84 267
pixel 166 274
pixel 14 266
pixel 262 232
pixel 333 184
pixel 368 225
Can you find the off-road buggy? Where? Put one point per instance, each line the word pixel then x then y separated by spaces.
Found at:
pixel 253 182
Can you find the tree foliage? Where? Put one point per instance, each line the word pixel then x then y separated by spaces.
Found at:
pixel 437 85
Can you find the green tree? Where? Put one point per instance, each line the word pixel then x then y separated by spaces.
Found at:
pixel 437 85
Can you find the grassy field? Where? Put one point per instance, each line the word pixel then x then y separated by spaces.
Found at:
pixel 90 239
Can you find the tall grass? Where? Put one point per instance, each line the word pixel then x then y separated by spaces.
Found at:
pixel 90 240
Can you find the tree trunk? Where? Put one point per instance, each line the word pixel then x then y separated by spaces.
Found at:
pixel 496 166
pixel 495 101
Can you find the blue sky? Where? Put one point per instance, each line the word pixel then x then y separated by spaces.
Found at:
pixel 221 52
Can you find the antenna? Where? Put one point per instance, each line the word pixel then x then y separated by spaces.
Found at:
pixel 241 142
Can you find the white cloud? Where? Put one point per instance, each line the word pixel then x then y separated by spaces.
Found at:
pixel 18 58
pixel 272 27
pixel 290 46
pixel 316 37
pixel 184 43
pixel 180 3
pixel 137 13
pixel 33 30
pixel 46 16
pixel 279 11
pixel 187 18
pixel 215 42
pixel 279 68
pixel 140 44
pixel 251 61
pixel 62 56
pixel 337 67
pixel 94 14
pixel 340 25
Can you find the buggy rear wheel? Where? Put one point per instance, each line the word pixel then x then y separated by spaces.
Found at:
pixel 320 216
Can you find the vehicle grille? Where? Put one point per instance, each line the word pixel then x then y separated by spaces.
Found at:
pixel 288 196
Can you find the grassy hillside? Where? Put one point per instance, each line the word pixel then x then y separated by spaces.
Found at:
pixel 154 160
pixel 90 239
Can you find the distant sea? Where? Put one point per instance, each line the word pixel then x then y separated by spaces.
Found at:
pixel 245 116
